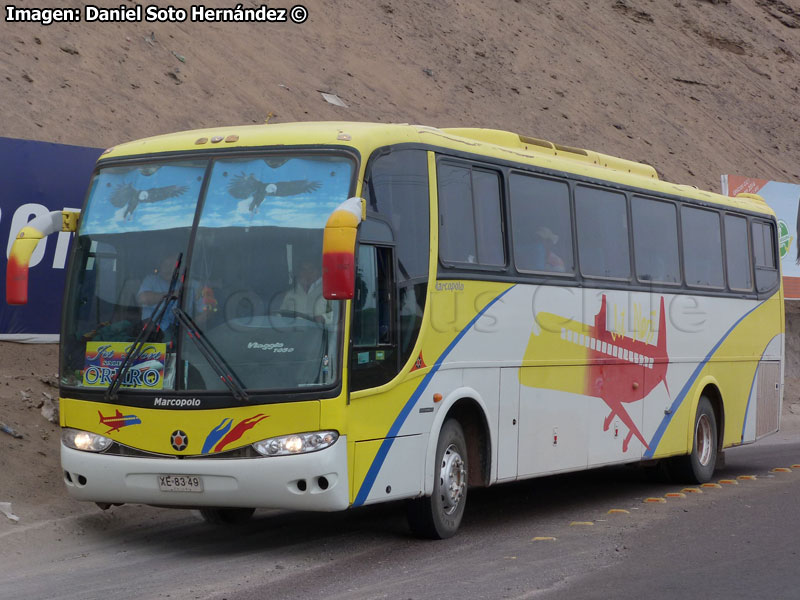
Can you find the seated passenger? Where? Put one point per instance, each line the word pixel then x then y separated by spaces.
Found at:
pixel 545 259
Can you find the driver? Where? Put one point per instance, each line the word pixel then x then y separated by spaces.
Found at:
pixel 305 296
pixel 156 284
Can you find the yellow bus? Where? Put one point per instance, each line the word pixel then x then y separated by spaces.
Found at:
pixel 319 316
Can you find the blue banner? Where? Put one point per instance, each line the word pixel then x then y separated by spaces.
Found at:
pixel 37 178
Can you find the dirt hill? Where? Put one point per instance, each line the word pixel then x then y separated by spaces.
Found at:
pixel 695 88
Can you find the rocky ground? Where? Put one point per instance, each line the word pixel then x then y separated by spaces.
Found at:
pixel 30 473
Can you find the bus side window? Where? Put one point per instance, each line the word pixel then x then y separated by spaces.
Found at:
pixel 541 225
pixel 457 221
pixel 373 360
pixel 655 241
pixel 764 254
pixel 740 273
pixel 470 216
pixel 602 221
pixel 489 217
pixel 702 247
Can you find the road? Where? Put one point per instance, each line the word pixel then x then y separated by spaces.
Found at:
pixel 736 541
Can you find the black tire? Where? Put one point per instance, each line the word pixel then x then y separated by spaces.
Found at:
pixel 699 465
pixel 438 516
pixel 226 516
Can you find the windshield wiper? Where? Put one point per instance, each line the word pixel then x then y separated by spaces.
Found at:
pixel 136 348
pixel 212 355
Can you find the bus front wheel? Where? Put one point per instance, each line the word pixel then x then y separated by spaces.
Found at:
pixel 226 516
pixel 699 465
pixel 438 516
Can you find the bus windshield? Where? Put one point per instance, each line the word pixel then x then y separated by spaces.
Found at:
pixel 245 234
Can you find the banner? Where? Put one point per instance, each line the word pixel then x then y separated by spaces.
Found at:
pixel 783 198
pixel 103 360
pixel 37 178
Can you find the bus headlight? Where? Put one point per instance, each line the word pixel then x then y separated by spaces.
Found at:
pixel 297 443
pixel 84 440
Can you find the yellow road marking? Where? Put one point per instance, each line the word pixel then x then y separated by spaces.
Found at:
pixel 675 495
pixel 574 523
pixel 654 500
pixel 619 511
pixel 692 490
pixel 711 485
pixel 728 482
pixel 545 538
pixel 747 477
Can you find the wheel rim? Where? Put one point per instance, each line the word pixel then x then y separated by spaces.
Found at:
pixel 452 479
pixel 703 441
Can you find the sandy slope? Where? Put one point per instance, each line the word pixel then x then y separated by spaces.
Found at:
pixel 695 88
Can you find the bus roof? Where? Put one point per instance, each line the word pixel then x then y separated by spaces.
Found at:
pixel 493 143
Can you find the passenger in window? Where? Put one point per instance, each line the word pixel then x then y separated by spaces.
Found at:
pixel 305 296
pixel 544 257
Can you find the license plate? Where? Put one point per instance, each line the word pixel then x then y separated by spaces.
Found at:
pixel 180 483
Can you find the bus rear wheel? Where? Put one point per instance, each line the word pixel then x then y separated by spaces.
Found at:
pixel 438 516
pixel 226 516
pixel 699 465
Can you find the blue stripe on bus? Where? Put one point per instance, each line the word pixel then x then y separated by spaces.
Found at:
pixel 377 463
pixel 685 390
pixel 747 408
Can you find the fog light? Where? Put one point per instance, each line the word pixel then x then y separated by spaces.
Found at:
pixel 84 440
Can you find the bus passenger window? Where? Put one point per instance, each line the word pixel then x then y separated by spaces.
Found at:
pixel 488 216
pixel 602 221
pixel 470 216
pixel 655 240
pixel 764 254
pixel 702 247
pixel 737 254
pixel 457 222
pixel 541 206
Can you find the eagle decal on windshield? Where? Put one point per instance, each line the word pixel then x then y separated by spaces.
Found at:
pixel 247 186
pixel 127 195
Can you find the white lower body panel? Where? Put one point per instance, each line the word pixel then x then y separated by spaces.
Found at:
pixel 269 482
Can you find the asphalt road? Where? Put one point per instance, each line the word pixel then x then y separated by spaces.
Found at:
pixel 737 541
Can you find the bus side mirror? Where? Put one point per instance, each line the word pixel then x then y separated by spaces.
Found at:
pixel 339 249
pixel 25 243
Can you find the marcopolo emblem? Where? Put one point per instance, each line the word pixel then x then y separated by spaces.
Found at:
pixel 179 440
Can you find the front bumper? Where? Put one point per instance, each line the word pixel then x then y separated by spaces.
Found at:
pixel 314 481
